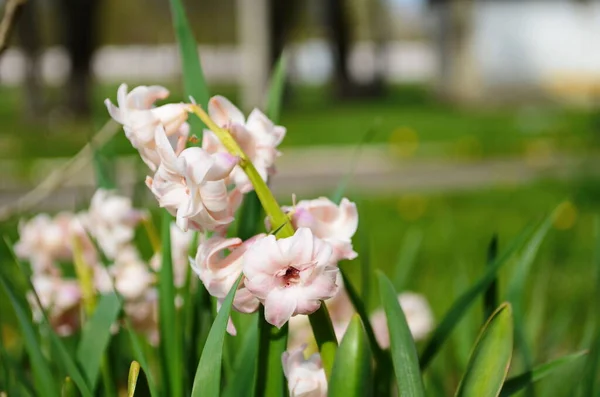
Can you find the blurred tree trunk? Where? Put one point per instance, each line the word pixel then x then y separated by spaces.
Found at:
pixel 29 37
pixel 457 72
pixel 80 38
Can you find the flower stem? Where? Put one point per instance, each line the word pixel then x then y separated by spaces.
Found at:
pixel 270 380
pixel 85 277
pixel 273 210
pixel 325 337
pixel 152 233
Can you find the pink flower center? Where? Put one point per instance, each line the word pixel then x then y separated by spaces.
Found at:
pixel 291 276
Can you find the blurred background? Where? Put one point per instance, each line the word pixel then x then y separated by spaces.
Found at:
pixel 480 117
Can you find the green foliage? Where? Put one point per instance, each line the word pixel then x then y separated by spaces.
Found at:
pixel 134 372
pixel 491 356
pixel 208 374
pixel 404 352
pixel 352 370
pixel 96 334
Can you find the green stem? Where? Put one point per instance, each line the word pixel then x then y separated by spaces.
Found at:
pixel 107 381
pixel 273 210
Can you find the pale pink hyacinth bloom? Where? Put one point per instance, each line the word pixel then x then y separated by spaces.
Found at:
pixel 180 248
pixel 139 117
pixel 61 300
pixel 111 220
pixel 305 377
pixel 330 222
pixel 257 136
pixel 418 316
pixel 44 240
pixel 192 186
pixel 131 275
pixel 219 272
pixel 290 276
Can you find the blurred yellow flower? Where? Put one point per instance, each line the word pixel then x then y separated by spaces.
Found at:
pixel 404 142
pixel 565 216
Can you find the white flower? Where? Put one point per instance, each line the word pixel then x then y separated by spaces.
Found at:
pixel 180 248
pixel 290 276
pixel 139 119
pixel 257 136
pixel 132 277
pixel 330 222
pixel 418 316
pixel 192 185
pixel 60 299
pixel 111 221
pixel 306 378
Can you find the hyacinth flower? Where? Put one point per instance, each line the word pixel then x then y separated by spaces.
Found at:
pixel 305 377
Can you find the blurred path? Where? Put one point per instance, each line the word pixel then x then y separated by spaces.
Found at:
pixel 318 170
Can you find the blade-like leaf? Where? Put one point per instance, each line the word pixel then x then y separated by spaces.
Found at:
pixel 207 382
pixel 490 297
pixel 402 345
pixel 460 306
pixel 519 382
pixel 42 374
pixel 362 312
pixel 407 258
pixel 276 89
pixel 245 366
pixel 138 354
pixel 134 372
pixel 591 380
pixel 352 369
pixel 272 343
pixel 490 358
pixel 170 337
pixel 68 388
pixel 194 81
pixel 96 335
pixel 322 327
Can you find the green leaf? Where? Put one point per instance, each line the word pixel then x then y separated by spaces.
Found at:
pixel 68 388
pixel 490 358
pixel 490 297
pixel 276 89
pixel 194 82
pixel 591 380
pixel 170 338
pixel 96 335
pixel 322 327
pixel 517 383
pixel 42 374
pixel 245 366
pixel 402 345
pixel 352 369
pixel 103 169
pixel 272 343
pixel 460 306
pixel 362 312
pixel 207 382
pixel 134 372
pixel 138 354
pixel 407 258
pixel 65 361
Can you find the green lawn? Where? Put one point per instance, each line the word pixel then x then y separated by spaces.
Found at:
pixel 407 117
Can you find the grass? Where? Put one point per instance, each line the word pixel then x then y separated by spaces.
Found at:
pixel 407 117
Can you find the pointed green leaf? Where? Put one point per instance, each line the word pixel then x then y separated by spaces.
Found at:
pixel 68 388
pixel 490 358
pixel 96 335
pixel 402 345
pixel 68 363
pixel 276 89
pixel 134 372
pixel 207 382
pixel 270 381
pixel 245 366
pixel 460 306
pixel 170 337
pixel 490 297
pixel 591 379
pixel 42 374
pixel 322 327
pixel 138 354
pixel 194 81
pixel 352 369
pixel 519 382
pixel 407 258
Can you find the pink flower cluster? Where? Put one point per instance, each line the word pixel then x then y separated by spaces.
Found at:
pixel 204 186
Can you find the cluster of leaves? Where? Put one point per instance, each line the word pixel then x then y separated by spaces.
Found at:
pixel 195 357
